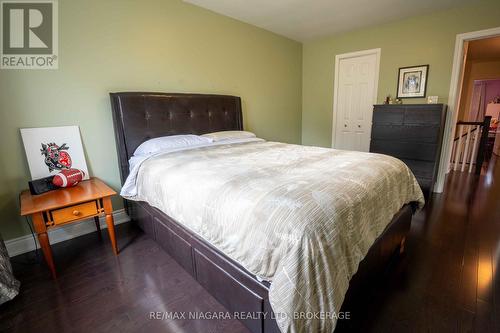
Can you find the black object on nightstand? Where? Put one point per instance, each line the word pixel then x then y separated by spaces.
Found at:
pixel 39 186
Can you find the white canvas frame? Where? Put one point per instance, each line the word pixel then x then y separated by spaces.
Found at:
pixel 33 139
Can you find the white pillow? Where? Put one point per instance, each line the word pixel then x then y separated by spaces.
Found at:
pixel 170 142
pixel 228 135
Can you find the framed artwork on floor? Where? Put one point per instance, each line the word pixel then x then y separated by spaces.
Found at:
pixel 412 81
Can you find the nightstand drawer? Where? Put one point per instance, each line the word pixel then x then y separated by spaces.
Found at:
pixel 76 212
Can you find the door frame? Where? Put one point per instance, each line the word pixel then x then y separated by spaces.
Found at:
pixel 340 57
pixel 453 100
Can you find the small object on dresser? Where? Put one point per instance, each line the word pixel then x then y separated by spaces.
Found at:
pixel 68 178
pixel 39 186
pixel 432 100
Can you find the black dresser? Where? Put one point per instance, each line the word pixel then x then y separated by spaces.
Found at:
pixel 412 133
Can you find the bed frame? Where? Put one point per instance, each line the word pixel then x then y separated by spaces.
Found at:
pixel 139 116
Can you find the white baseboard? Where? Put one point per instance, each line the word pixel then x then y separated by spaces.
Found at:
pixel 25 244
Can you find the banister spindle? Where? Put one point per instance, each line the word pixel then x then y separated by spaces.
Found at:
pixel 466 150
pixel 474 147
pixel 459 148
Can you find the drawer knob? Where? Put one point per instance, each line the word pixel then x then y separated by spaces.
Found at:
pixel 76 213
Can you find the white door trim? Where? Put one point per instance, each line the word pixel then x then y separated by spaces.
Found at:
pixel 451 119
pixel 339 57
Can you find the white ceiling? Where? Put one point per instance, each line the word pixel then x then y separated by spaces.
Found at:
pixel 306 19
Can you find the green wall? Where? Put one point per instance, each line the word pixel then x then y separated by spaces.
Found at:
pixel 163 45
pixel 428 39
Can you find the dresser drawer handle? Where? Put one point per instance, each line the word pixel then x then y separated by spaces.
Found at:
pixel 76 213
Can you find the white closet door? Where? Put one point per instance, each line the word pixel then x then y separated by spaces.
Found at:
pixel 356 85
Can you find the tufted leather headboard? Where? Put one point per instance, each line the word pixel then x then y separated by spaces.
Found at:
pixel 140 116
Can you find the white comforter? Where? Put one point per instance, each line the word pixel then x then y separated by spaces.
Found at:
pixel 300 217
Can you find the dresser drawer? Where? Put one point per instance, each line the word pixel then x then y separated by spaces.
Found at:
pixel 405 150
pixel 406 133
pixel 76 212
pixel 428 115
pixel 395 115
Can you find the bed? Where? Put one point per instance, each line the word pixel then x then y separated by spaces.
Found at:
pixel 233 279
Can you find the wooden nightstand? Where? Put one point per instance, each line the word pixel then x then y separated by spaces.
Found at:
pixel 90 198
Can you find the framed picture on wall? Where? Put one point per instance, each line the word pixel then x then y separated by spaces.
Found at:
pixel 50 150
pixel 412 81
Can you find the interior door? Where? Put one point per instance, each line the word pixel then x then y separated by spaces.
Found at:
pixel 357 80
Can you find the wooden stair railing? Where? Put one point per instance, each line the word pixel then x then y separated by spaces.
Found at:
pixel 472 138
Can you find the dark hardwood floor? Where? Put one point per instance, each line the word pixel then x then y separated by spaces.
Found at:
pixel 449 277
pixel 448 280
